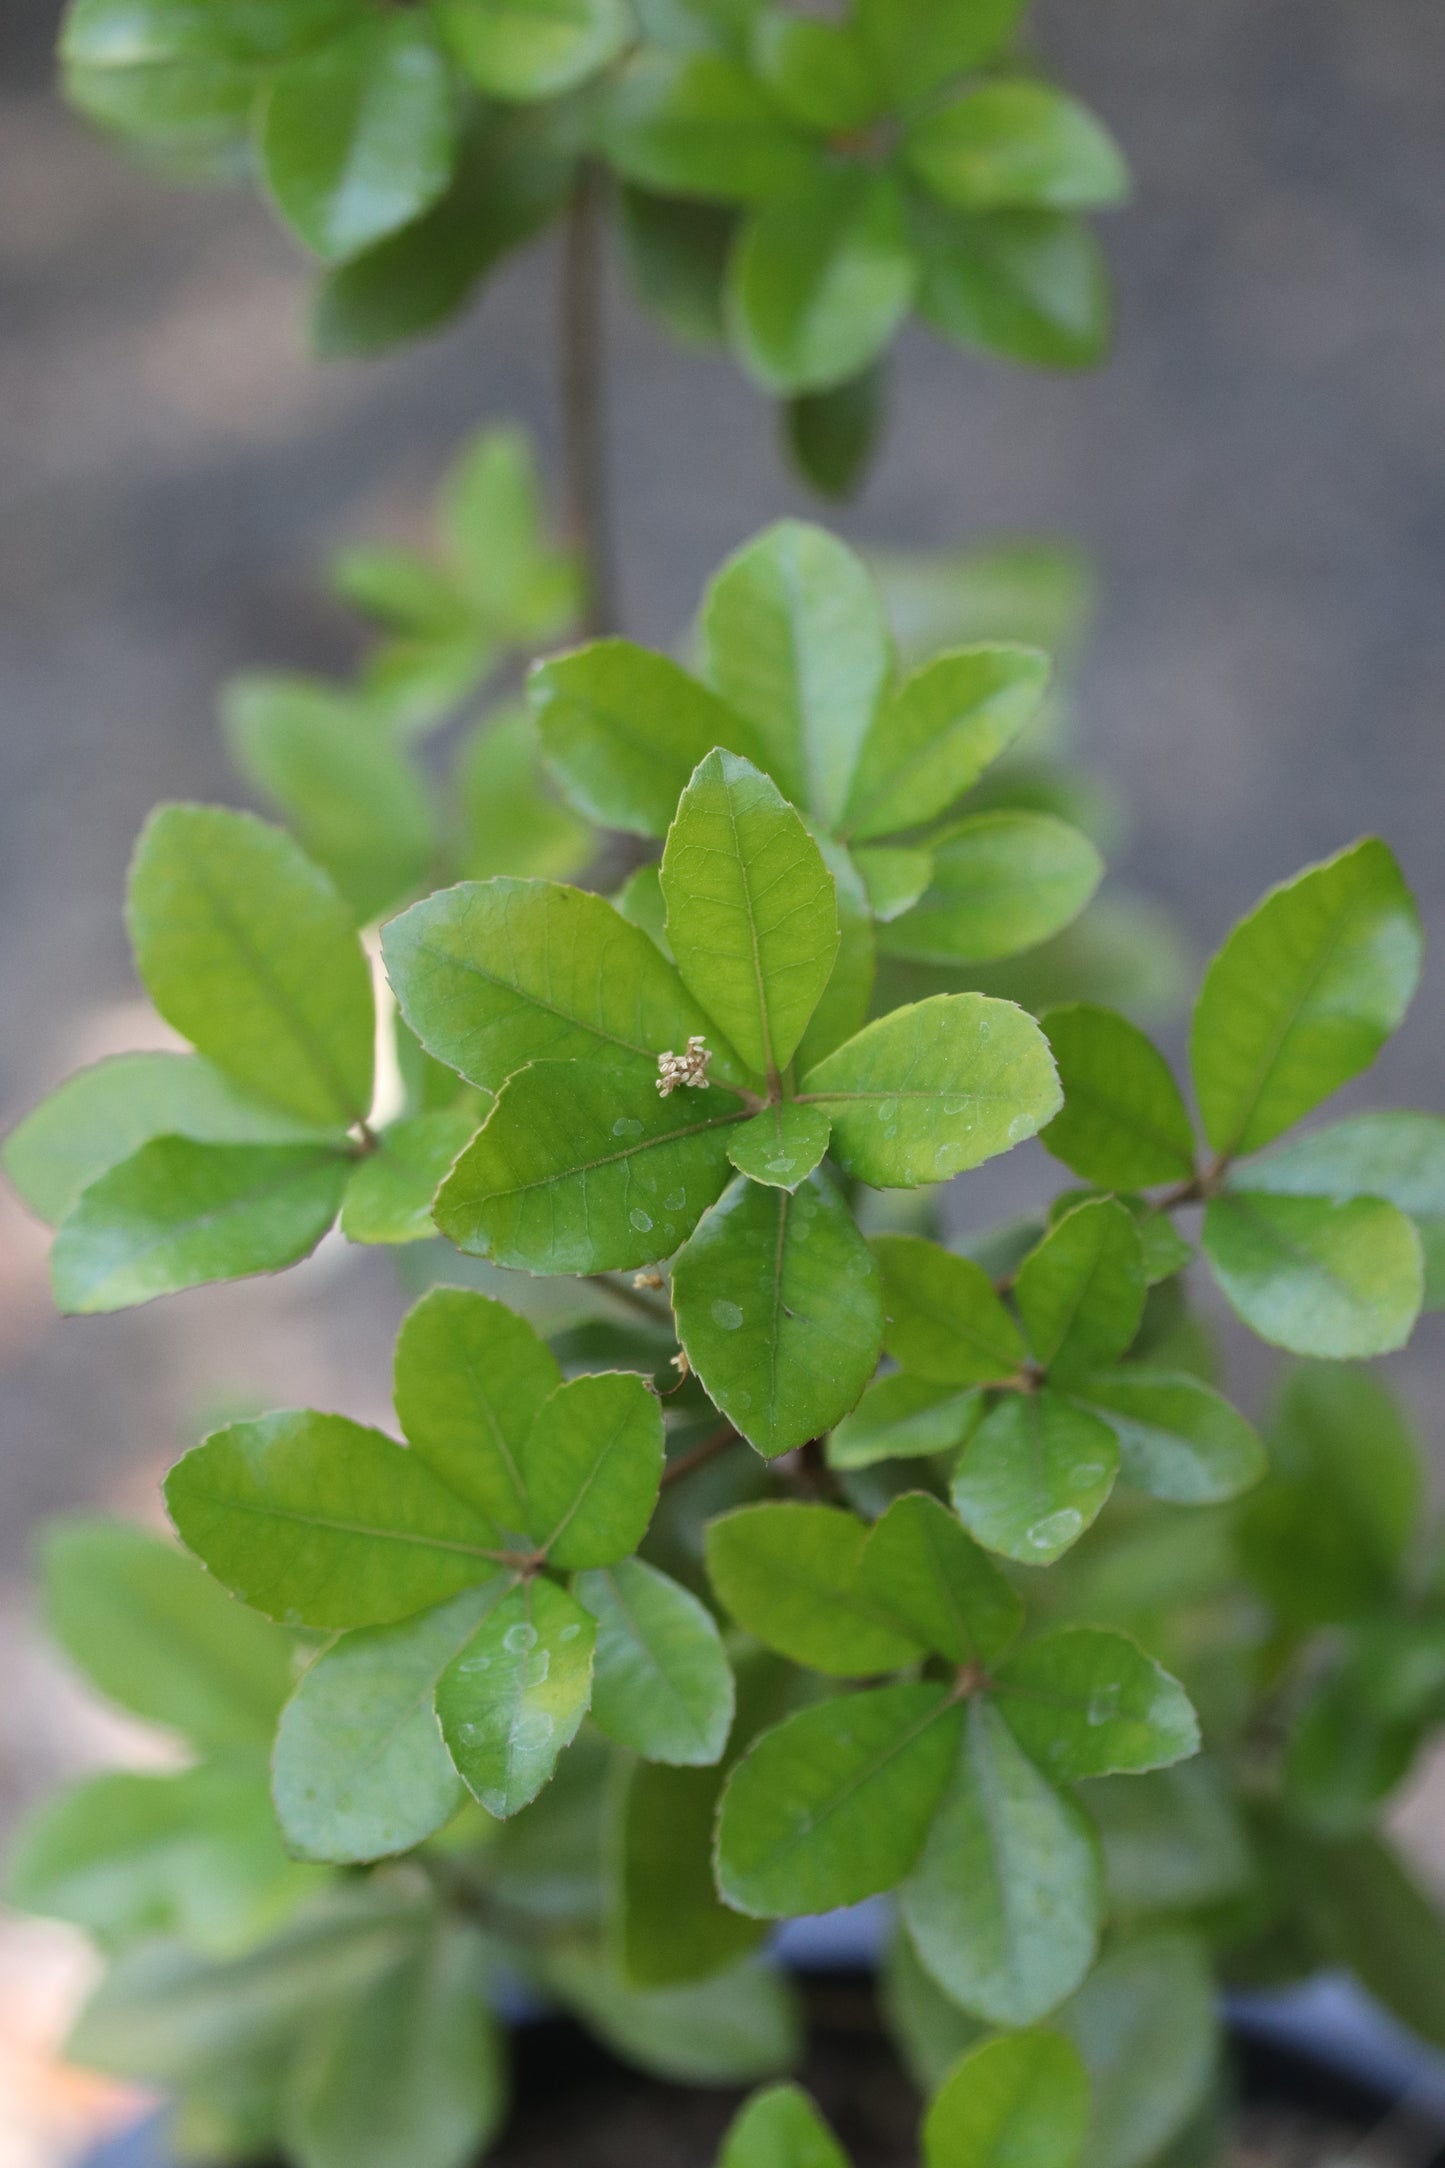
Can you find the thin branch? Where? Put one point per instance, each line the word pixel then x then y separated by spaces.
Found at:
pixel 583 425
pixel 717 1441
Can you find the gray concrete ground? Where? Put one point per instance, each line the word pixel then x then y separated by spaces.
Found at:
pixel 1259 474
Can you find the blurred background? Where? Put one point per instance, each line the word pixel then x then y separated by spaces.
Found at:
pixel 1259 477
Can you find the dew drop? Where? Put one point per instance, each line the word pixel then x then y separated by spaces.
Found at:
pixel 495 1804
pixel 627 1125
pixel 641 1220
pixel 983 1028
pixel 955 1106
pixel 1104 1703
pixel 1019 1128
pixel 532 1731
pixel 674 1200
pixel 887 1110
pixel 569 1633
pixel 519 1638
pixel 1056 1529
pixel 726 1314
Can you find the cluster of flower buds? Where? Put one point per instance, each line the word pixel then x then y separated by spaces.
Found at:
pixel 686 1068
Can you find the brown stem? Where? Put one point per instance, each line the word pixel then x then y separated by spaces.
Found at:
pixel 716 1441
pixel 583 431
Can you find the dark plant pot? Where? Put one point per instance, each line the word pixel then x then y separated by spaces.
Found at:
pixel 1320 2062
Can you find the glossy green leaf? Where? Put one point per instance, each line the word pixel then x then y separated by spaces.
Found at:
pixel 495 526
pixel 1031 285
pixel 514 1695
pixel 677 252
pixel 1004 1905
pixel 1173 1840
pixel 942 1320
pixel 623 729
pixel 790 1575
pixel 246 948
pixel 778 1309
pixel 1178 1439
pixel 1144 2023
pixel 1124 1124
pixel 920 1566
pixel 662 1684
pixel 934 1088
pixel 1386 1929
pixel 922 44
pixel 796 640
pixel 943 726
pixel 405 2067
pixel 1400 1157
pixel 1033 1476
pixel 640 901
pixel 103 1115
pixel 126 1857
pixel 389 1193
pixel 1341 1762
pixel 471 1379
pixel 902 1417
pixel 927 2027
pixel 817 70
pixel 751 916
pixel 669 1924
pixel 153 1631
pixel 1018 145
pixel 1303 995
pixel 780 2129
pixel 341 778
pixel 1081 1292
pixel 1002 882
pixel 177 1214
pixel 832 436
pixel 1314 1276
pixel 697 124
pixel 1088 1702
pixel 492 975
pixel 844 1007
pixel 582 1167
pixel 511 821
pixel 512 49
pixel 895 878
pixel 322 1522
pixel 834 1804
pixel 728 2030
pixel 821 279
pixel 359 1770
pixel 590 1466
pixel 358 136
pixel 1022 2099
pixel 781 1146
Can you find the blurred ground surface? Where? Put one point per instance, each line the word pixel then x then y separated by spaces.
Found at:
pixel 1260 475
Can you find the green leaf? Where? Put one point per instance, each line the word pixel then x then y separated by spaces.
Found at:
pixel 1030 285
pixel 790 1576
pixel 942 1320
pixel 359 1770
pixel 834 1804
pixel 780 2128
pixel 322 1522
pixel 778 1309
pixel 1385 1928
pixel 922 44
pixel 1173 1840
pixel 405 2067
pixel 1144 2023
pixel 796 640
pixel 1016 146
pixel 1087 1702
pixel 1178 1439
pixel 697 124
pixel 513 49
pixel 389 1193
pixel 494 522
pixel 781 1146
pixel 895 878
pixel 751 916
pixel 935 1088
pixel 103 1115
pixel 927 2027
pixel 921 1566
pixel 662 1684
pixel 1314 1276
pixel 342 780
pixel 1124 1124
pixel 821 279
pixel 1002 882
pixel 1081 1292
pixel 155 1633
pixel 1004 1906
pixel 623 730
pixel 843 1009
pixel 640 901
pixel 902 1417
pixel 677 253
pixel 471 1379
pixel 1341 1762
pixel 246 948
pixel 1021 2099
pixel 942 727
pixel 1033 1477
pixel 1400 1157
pixel 590 1465
pixel 358 137
pixel 669 1924
pixel 584 1168
pixel 510 820
pixel 818 71
pixel 514 1695
pixel 492 975
pixel 731 2029
pixel 1302 996
pixel 177 1214
pixel 832 436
